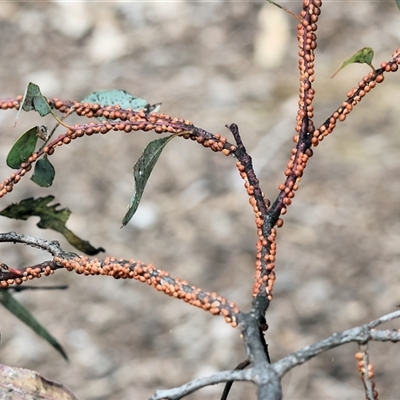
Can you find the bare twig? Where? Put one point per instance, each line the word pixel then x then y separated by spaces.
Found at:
pixel 361 334
pixel 190 387
pixel 27 287
pixel 244 364
pixel 266 375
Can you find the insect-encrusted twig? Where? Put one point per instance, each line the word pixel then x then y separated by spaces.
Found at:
pixel 119 269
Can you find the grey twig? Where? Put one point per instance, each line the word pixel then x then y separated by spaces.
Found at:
pixel 51 246
pixel 361 334
pixel 267 376
pixel 368 385
pixel 190 387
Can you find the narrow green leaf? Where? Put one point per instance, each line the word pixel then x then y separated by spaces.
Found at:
pixel 23 314
pixel 23 148
pixel 44 172
pixel 285 9
pixel 363 56
pixel 398 3
pixel 142 170
pixel 122 98
pixel 50 218
pixel 275 4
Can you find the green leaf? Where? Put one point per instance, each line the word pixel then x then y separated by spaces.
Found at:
pixel 41 105
pixel 50 218
pixel 34 100
pixel 28 319
pixel 363 56
pixel 398 3
pixel 142 170
pixel 23 148
pixel 44 172
pixel 275 4
pixel 31 91
pixel 122 98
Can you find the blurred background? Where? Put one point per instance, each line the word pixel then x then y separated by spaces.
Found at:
pixel 213 63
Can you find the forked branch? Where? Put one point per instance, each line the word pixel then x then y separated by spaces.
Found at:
pixel 273 373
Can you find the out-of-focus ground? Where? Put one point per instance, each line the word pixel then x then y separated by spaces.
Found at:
pixel 213 63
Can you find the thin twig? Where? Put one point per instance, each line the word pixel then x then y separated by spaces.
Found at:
pixel 360 334
pixel 244 364
pixel 190 387
pixel 365 373
pixel 27 287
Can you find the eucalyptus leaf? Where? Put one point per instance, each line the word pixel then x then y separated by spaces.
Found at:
pixel 34 100
pixel 31 91
pixel 41 105
pixel 23 148
pixel 44 172
pixel 50 218
pixel 23 314
pixel 142 170
pixel 122 98
pixel 363 56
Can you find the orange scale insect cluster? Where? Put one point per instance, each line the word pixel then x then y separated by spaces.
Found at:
pixel 304 125
pixel 294 171
pixel 216 142
pixel 117 120
pixel 15 281
pixel 160 280
pixel 62 106
pixel 265 278
pixel 366 371
pixel 128 120
pixel 354 96
pixel 265 247
pixel 28 274
pixel 7 185
pixel 139 120
pixel 259 218
pixel 307 44
pixel 9 104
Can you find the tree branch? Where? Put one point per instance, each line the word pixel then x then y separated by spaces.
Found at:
pixel 190 387
pixel 119 269
pixel 361 334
